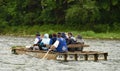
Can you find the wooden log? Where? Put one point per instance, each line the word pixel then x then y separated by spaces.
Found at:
pixel 65 57
pixel 105 56
pixel 86 57
pixel 76 57
pixel 77 45
pixel 14 51
pixel 95 57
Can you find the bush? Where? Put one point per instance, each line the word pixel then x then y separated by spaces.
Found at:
pixel 88 33
pixel 116 27
pixel 100 28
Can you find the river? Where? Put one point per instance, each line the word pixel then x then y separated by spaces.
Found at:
pixel 11 62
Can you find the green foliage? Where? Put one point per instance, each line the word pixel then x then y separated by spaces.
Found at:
pixel 101 28
pixel 116 27
pixel 88 33
pixel 59 15
pixel 82 14
pixel 114 2
pixel 3 25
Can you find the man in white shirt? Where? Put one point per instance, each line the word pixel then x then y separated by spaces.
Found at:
pixel 36 41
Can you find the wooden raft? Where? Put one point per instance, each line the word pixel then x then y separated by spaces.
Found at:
pixel 76 55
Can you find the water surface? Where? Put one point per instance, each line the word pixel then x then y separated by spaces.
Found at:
pixel 11 62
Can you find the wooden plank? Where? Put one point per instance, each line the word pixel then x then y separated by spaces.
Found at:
pixel 105 56
pixel 77 45
pixel 76 57
pixel 95 57
pixel 65 57
pixel 86 57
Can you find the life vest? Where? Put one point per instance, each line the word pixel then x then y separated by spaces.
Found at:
pixel 62 47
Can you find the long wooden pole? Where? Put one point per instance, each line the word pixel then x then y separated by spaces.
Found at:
pixel 46 54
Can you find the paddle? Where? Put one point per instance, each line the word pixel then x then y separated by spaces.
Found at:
pixel 46 54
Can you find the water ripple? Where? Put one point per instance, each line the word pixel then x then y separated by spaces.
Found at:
pixel 11 62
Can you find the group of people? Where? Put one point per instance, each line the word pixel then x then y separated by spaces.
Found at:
pixel 56 42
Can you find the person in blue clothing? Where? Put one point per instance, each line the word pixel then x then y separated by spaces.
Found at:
pixel 50 36
pixel 59 45
pixel 54 38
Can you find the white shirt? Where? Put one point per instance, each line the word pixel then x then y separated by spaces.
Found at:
pixel 46 40
pixel 56 43
pixel 80 40
pixel 73 38
pixel 36 41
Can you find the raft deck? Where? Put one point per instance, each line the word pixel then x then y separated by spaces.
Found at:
pixel 76 55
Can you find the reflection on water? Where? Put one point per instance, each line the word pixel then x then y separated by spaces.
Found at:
pixel 11 62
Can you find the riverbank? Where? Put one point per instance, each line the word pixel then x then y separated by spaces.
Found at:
pixel 85 35
pixel 26 31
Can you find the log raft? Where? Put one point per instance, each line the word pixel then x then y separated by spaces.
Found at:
pixel 74 55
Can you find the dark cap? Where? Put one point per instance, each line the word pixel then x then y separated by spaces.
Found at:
pixel 59 34
pixel 63 35
pixel 79 37
pixel 37 34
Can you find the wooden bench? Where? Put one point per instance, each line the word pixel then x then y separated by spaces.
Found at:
pixel 77 45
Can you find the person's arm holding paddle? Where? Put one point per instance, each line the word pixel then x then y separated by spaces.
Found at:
pixel 55 45
pixel 51 48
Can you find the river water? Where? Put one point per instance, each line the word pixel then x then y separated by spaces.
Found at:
pixel 11 62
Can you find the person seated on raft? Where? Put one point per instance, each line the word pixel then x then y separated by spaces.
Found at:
pixel 79 40
pixel 54 38
pixel 36 42
pixel 45 41
pixel 59 45
pixel 64 35
pixel 71 39
pixel 50 36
